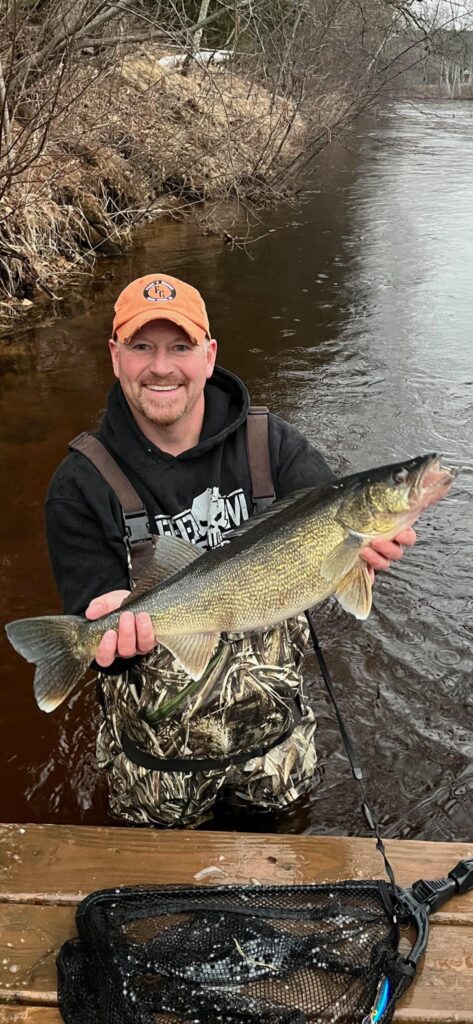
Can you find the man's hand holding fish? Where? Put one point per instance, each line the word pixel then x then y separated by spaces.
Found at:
pixel 194 519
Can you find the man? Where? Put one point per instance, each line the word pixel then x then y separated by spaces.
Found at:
pixel 176 425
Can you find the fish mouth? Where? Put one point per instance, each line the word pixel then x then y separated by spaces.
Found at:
pixel 431 482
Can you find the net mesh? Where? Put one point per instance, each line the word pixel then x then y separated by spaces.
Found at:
pixel 231 955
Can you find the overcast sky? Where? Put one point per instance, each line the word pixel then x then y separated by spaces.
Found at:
pixel 455 12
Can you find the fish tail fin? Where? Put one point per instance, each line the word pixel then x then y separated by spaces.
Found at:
pixel 51 643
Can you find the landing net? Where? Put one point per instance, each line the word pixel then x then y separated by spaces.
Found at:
pixel 232 955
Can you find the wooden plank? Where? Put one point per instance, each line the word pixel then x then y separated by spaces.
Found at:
pixel 445 978
pixel 431 1016
pixel 30 1015
pixel 50 1015
pixel 30 939
pixel 61 864
pixel 31 936
pixel 69 862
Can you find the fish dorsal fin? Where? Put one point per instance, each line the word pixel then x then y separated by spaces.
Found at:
pixel 342 558
pixel 354 593
pixel 170 555
pixel 270 512
pixel 192 652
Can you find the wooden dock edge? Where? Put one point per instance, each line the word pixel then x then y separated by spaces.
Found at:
pixel 46 870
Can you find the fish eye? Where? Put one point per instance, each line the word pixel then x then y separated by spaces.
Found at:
pixel 401 476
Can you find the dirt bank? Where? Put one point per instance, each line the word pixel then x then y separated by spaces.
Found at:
pixel 143 142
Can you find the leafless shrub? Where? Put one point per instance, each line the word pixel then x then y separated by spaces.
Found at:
pixel 97 135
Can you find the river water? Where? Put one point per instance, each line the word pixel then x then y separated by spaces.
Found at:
pixel 351 317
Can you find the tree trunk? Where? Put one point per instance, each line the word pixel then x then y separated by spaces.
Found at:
pixel 196 38
pixel 6 142
pixel 198 35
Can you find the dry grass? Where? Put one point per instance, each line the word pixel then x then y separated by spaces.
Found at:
pixel 140 143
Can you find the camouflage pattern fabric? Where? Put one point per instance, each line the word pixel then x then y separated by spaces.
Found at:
pixel 244 701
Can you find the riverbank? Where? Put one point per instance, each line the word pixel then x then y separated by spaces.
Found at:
pixel 145 142
pixel 100 131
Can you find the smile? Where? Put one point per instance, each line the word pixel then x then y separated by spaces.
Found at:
pixel 169 387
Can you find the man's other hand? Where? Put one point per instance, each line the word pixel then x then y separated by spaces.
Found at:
pixel 381 553
pixel 135 633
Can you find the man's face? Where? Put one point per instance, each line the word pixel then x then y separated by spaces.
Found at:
pixel 162 372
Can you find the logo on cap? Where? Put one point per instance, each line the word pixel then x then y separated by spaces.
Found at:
pixel 159 291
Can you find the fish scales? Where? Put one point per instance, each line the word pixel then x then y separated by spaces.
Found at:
pixel 304 549
pixel 263 583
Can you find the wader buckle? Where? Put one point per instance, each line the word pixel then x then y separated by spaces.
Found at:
pixel 136 526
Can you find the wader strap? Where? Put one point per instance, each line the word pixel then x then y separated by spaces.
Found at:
pixel 257 446
pixel 207 764
pixel 138 536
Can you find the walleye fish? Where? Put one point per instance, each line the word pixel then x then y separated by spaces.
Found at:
pixel 302 550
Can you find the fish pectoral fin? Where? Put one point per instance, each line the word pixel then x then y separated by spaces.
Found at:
pixel 170 555
pixel 341 559
pixel 192 652
pixel 354 592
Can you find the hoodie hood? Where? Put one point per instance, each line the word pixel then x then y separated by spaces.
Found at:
pixel 226 408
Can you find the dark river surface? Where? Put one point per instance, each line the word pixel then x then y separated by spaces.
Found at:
pixel 352 318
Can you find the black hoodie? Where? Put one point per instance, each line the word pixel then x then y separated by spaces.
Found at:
pixel 201 494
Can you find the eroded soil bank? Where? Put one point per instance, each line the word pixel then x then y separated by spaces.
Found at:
pixel 145 142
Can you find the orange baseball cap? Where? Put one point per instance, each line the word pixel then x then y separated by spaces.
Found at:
pixel 160 297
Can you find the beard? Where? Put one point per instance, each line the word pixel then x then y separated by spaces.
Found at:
pixel 163 412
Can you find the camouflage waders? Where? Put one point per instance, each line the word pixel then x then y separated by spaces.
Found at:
pixel 250 697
